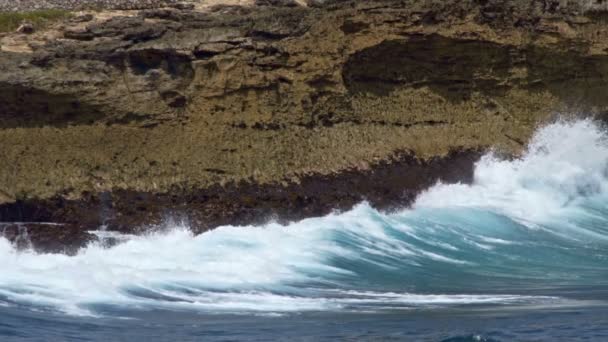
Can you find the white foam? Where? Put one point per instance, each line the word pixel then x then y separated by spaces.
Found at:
pixel 228 258
pixel 565 162
pixel 372 297
pixel 268 268
pixel 230 269
pixel 496 241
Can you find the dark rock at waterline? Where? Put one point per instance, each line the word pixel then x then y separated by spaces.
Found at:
pixel 234 115
pixel 46 237
pixel 62 225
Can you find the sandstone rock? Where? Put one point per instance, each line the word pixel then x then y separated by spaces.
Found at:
pixel 33 5
pixel 182 6
pixel 5 198
pixel 241 113
pixel 284 3
pixel 82 18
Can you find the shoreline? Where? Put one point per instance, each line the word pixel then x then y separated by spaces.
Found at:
pixel 237 115
pixel 59 225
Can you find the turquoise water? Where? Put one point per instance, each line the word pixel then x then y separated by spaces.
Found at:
pixel 521 254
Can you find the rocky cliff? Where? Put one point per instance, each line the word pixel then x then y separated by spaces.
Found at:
pixel 239 114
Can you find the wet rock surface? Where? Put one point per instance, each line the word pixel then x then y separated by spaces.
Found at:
pixel 61 225
pixel 238 114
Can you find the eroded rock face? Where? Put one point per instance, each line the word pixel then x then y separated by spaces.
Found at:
pixel 32 5
pixel 240 113
pixel 459 68
pixel 62 225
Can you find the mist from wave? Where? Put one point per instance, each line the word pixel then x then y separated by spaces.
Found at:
pixel 524 232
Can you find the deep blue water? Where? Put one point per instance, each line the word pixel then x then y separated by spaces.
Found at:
pixel 488 324
pixel 520 255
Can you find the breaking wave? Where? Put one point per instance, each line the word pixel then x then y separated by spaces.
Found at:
pixel 524 231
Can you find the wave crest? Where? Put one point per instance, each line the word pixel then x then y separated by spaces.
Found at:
pixel 538 222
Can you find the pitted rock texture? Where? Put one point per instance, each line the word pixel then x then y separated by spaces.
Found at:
pixel 33 5
pixel 172 102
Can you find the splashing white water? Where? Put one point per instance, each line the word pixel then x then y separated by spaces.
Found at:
pixel 340 262
pixel 565 163
pixel 230 269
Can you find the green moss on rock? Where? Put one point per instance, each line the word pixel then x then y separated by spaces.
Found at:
pixel 10 21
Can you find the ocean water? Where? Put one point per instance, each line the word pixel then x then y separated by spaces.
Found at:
pixel 519 255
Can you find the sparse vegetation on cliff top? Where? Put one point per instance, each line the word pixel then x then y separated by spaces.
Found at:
pixel 11 21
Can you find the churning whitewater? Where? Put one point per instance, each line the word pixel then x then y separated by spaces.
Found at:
pixel 522 234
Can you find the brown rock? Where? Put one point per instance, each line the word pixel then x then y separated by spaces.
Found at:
pixel 82 18
pixel 205 113
pixel 26 28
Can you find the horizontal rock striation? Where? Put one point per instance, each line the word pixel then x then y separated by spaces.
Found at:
pixel 237 114
pixel 62 225
pixel 33 5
